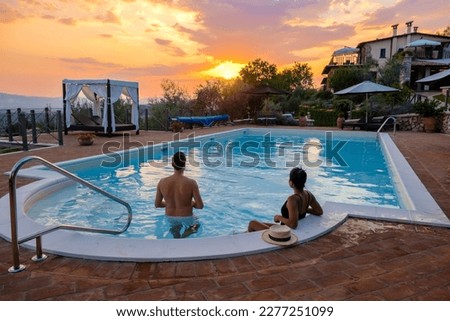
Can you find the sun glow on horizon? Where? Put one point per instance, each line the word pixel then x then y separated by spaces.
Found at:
pixel 226 69
pixel 186 41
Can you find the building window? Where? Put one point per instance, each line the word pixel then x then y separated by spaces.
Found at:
pixel 383 53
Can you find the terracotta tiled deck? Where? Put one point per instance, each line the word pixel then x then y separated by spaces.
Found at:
pixel 361 260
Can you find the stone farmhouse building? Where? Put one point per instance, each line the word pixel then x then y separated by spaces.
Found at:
pixel 424 55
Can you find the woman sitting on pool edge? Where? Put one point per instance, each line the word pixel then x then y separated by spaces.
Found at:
pixel 296 206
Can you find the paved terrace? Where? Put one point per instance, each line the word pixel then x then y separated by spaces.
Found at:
pixel 360 260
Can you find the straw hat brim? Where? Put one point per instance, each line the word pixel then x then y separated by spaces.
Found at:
pixel 265 236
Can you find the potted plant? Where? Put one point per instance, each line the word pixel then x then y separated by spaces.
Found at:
pixel 429 111
pixel 85 139
pixel 302 121
pixel 177 127
pixel 340 121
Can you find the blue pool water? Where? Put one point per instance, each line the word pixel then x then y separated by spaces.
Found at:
pixel 242 175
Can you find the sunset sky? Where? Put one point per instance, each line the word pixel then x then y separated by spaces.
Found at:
pixel 187 41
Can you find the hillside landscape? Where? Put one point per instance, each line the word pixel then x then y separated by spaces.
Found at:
pixel 11 101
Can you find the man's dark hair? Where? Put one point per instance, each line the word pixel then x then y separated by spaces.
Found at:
pixel 179 160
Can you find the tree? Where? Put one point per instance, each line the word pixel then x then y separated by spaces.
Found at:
pixel 258 72
pixel 298 76
pixel 343 105
pixel 175 102
pixel 390 72
pixel 348 76
pixel 122 110
pixel 175 98
pixel 446 32
pixel 158 114
pixel 234 102
pixel 209 97
pixel 299 96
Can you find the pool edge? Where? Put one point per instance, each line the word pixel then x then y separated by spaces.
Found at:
pixel 127 252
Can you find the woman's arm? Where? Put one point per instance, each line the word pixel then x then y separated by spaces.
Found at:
pixel 314 206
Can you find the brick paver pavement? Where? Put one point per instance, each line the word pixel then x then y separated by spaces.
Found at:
pixel 361 260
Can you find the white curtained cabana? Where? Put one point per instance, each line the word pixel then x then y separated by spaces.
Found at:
pixel 97 90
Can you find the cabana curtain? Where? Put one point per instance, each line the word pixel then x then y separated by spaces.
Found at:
pixel 133 94
pixel 95 93
pixel 71 94
pixel 96 90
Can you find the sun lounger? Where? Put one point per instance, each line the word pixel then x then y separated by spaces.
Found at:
pixel 206 121
pixel 376 122
pixel 360 123
pixel 373 123
pixel 267 120
pixel 94 124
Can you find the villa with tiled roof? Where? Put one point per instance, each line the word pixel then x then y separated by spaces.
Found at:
pixel 426 54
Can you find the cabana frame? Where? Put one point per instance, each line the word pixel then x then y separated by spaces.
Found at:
pixel 110 91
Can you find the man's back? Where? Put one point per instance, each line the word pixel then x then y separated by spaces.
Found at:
pixel 178 193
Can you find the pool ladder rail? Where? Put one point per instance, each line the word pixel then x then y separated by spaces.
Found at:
pixel 17 267
pixel 384 123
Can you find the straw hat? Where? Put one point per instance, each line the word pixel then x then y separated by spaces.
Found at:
pixel 279 235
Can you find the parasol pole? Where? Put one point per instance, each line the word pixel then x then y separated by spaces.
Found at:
pixel 367 107
pixel 447 92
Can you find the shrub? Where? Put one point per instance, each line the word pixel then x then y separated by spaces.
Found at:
pixel 343 105
pixel 324 118
pixel 427 108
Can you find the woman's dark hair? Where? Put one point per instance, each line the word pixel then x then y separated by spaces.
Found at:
pixel 179 160
pixel 298 178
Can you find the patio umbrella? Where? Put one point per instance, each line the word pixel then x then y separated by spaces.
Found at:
pixel 443 76
pixel 345 50
pixel 423 43
pixel 366 87
pixel 266 90
pixel 441 79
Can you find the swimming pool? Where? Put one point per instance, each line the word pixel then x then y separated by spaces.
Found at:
pixel 242 176
pixel 368 184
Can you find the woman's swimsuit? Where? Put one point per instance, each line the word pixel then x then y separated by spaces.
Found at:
pixel 285 211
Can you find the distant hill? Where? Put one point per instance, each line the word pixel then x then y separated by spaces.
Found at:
pixel 9 101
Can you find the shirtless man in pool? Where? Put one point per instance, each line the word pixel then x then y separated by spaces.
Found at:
pixel 177 193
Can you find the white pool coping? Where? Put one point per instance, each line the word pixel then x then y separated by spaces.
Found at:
pixel 422 209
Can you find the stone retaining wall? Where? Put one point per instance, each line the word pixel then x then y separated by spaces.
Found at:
pixel 445 123
pixel 413 122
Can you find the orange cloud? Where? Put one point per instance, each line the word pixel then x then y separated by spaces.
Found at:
pixel 184 40
pixel 89 61
pixel 109 17
pixel 68 21
pixel 9 14
pixel 163 42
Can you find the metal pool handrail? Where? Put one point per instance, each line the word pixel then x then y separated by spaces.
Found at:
pixel 384 123
pixel 17 267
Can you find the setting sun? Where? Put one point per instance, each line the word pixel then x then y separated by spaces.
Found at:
pixel 189 41
pixel 227 70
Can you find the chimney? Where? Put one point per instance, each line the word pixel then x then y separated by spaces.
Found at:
pixel 415 29
pixel 408 31
pixel 394 40
pixel 408 26
pixel 394 30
